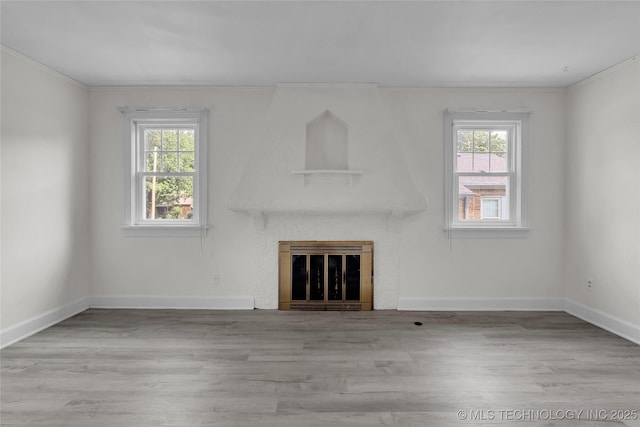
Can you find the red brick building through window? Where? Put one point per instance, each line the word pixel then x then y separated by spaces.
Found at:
pixel 482 197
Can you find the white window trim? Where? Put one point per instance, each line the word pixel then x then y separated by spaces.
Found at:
pixel 132 223
pixel 517 226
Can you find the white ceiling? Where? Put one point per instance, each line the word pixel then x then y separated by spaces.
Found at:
pixel 416 43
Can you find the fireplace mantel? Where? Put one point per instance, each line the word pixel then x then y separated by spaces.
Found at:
pixel 393 217
pixel 307 174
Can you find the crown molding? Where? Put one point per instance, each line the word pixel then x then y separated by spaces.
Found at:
pixel 42 67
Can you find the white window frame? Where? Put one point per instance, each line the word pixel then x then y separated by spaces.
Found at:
pixel 136 121
pixel 518 125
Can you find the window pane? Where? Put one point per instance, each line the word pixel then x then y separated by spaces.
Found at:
pixel 187 140
pixel 187 162
pixel 465 141
pixel 169 197
pixel 152 161
pixel 169 162
pixel 498 147
pixel 498 141
pixel 498 162
pixel 472 190
pixel 481 141
pixel 481 162
pixel 170 140
pixel 464 162
pixel 152 139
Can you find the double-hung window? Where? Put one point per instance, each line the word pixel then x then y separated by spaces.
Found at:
pixel 486 166
pixel 165 171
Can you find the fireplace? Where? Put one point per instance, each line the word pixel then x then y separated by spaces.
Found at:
pixel 328 166
pixel 325 275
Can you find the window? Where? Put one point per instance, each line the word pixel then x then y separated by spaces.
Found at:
pixel 486 173
pixel 491 208
pixel 166 172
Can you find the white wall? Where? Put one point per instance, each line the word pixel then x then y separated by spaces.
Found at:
pixel 45 184
pixel 528 271
pixel 603 198
pixel 131 270
pixel 481 273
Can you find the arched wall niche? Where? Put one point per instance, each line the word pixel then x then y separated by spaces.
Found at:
pixel 327 144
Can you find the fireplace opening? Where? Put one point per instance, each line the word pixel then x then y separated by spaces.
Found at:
pixel 325 275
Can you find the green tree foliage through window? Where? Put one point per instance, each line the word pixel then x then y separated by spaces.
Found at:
pixel 168 151
pixel 482 141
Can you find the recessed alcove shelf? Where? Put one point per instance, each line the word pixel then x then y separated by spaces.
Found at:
pixel 327 143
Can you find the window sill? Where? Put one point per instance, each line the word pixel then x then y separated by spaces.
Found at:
pixel 164 230
pixel 487 232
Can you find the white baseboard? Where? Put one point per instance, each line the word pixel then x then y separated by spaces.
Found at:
pixel 38 323
pixel 603 320
pixel 481 304
pixel 598 318
pixel 173 302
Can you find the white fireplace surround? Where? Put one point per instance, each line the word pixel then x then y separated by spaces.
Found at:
pixel 366 201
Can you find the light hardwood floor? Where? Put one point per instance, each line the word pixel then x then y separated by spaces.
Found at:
pixel 289 369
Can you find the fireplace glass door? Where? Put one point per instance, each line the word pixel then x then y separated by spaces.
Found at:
pixel 316 278
pixel 325 277
pixel 335 278
pixel 352 277
pixel 299 277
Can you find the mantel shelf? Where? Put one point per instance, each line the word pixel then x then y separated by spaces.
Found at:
pixel 327 172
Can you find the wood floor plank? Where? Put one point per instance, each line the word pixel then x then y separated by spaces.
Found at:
pixel 271 368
